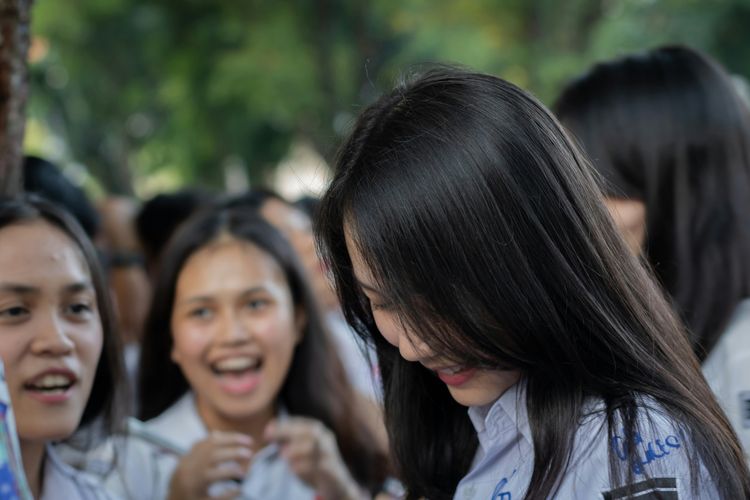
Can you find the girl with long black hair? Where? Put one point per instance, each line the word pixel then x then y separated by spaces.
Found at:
pixel 671 137
pixel 470 244
pixel 241 389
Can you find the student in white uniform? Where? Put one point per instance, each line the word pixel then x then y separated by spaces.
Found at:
pixel 671 136
pixel 239 381
pixel 469 241
pixel 57 342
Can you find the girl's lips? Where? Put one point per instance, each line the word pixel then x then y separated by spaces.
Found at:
pixel 52 386
pixel 239 383
pixel 55 397
pixel 456 378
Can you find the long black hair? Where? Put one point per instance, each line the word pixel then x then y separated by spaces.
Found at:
pixel 667 127
pixel 315 386
pixel 106 404
pixel 484 229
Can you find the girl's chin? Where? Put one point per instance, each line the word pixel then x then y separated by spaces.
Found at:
pixel 44 436
pixel 484 389
pixel 469 397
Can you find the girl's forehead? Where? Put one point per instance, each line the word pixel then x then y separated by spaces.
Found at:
pixel 39 251
pixel 362 271
pixel 229 263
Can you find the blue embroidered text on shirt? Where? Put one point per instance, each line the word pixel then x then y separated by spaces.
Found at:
pixel 498 494
pixel 651 454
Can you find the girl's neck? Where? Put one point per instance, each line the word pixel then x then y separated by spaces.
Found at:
pixel 253 425
pixel 32 454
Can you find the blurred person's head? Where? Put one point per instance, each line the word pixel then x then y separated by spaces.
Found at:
pixel 234 320
pixel 45 179
pixel 57 336
pixel 160 216
pixel 123 255
pixel 296 225
pixel 671 137
pixel 308 204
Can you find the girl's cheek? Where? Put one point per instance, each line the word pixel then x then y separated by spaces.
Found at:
pixel 388 328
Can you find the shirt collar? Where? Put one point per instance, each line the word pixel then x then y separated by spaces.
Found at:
pixel 501 421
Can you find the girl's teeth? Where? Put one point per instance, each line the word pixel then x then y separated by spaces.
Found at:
pixel 58 390
pixel 451 371
pixel 52 381
pixel 236 364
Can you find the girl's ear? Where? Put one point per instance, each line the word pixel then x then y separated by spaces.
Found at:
pixel 300 322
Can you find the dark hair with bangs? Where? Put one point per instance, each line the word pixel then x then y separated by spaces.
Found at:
pixel 315 386
pixel 667 127
pixel 106 404
pixel 485 231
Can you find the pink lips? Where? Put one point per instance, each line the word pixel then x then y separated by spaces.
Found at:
pixel 458 378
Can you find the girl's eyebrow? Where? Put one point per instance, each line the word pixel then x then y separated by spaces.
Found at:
pixel 81 286
pixel 18 289
pixel 253 290
pixel 367 286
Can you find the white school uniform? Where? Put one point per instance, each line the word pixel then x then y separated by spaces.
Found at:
pixel 147 470
pixel 63 482
pixel 727 370
pixel 504 461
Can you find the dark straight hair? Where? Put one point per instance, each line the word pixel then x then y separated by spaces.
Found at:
pixel 667 127
pixel 106 405
pixel 485 232
pixel 315 386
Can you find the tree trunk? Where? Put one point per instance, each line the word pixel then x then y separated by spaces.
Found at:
pixel 14 45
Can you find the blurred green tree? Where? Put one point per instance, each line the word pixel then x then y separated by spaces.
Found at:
pixel 184 88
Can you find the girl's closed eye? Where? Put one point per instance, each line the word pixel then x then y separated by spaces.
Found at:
pixel 378 303
pixel 381 305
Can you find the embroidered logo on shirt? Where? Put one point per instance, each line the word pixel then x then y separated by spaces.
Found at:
pixel 658 488
pixel 499 494
pixel 745 409
pixel 651 450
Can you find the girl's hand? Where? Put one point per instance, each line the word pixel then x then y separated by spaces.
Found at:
pixel 313 455
pixel 222 456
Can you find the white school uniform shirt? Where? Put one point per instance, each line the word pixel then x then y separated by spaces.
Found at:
pixel 504 461
pixel 727 370
pixel 63 482
pixel 149 469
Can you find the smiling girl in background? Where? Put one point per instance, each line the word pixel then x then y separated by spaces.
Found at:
pixel 238 374
pixel 469 242
pixel 57 343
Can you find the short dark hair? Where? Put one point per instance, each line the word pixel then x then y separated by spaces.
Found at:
pixel 485 232
pixel 253 199
pixel 45 179
pixel 669 128
pixel 106 401
pixel 316 385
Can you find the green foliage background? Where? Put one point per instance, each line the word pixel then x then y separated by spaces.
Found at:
pixel 136 89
